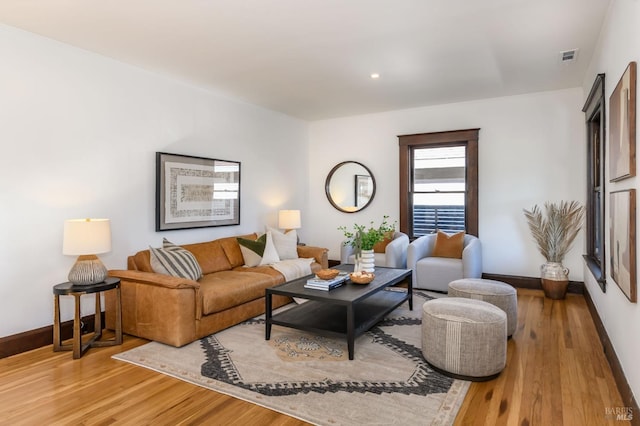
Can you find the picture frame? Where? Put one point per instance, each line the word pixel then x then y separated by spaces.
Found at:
pixel 363 189
pixel 622 126
pixel 622 236
pixel 196 192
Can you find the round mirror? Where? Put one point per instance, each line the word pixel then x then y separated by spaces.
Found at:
pixel 350 186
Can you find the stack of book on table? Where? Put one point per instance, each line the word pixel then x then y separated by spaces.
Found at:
pixel 320 284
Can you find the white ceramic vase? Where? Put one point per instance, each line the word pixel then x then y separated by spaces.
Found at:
pixel 367 261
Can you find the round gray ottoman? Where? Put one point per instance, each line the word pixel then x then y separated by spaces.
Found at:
pixel 497 293
pixel 464 338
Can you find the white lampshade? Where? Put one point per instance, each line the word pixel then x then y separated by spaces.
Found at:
pixel 86 236
pixel 289 219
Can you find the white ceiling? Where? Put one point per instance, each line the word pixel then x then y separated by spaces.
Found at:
pixel 312 58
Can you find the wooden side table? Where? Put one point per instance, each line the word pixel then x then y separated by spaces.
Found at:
pixel 69 289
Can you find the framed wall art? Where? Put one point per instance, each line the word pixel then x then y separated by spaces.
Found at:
pixel 622 235
pixel 196 192
pixel 622 127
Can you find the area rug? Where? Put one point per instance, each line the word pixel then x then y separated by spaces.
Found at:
pixel 311 378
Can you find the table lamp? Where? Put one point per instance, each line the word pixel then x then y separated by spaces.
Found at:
pixel 85 238
pixel 289 219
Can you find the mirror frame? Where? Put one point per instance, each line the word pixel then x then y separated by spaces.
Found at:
pixel 327 185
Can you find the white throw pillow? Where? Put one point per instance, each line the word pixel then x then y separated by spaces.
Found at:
pixel 259 252
pixel 286 243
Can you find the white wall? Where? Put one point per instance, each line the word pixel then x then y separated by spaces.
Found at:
pixel 79 134
pixel 619 44
pixel 531 149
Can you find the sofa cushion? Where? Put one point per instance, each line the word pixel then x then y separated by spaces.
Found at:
pixel 260 251
pixel 232 248
pixel 263 269
pixel 227 289
pixel 141 261
pixel 270 270
pixel 175 260
pixel 210 256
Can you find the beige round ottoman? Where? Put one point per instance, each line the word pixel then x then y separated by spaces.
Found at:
pixel 497 293
pixel 464 338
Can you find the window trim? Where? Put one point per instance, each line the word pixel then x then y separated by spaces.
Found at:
pixel 407 143
pixel 594 109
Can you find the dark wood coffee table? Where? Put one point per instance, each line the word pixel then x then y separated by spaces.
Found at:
pixel 349 310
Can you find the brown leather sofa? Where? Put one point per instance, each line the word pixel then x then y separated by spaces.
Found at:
pixel 177 311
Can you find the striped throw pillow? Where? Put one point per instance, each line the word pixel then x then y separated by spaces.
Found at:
pixel 175 260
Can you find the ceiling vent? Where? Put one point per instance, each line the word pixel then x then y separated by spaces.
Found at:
pixel 569 56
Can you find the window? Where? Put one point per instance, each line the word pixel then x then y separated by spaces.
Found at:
pixel 595 131
pixel 437 189
pixel 439 182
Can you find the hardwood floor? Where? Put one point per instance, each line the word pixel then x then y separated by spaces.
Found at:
pixel 556 374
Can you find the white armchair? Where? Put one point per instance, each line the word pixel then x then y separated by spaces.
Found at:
pixel 395 255
pixel 435 273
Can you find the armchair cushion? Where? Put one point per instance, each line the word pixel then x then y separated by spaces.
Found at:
pixel 449 245
pixel 440 271
pixel 435 273
pixel 381 246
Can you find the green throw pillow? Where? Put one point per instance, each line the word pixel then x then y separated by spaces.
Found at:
pixel 258 252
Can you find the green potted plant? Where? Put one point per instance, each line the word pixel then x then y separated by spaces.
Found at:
pixel 554 233
pixel 363 238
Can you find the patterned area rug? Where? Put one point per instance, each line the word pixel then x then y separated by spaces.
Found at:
pixel 311 378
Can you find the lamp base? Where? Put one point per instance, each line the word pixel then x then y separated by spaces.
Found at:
pixel 87 270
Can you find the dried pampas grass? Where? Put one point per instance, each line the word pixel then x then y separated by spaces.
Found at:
pixel 554 232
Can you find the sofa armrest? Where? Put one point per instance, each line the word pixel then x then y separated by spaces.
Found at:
pixel 156 306
pixel 153 278
pixel 321 255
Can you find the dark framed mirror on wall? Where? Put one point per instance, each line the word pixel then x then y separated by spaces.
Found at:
pixel 350 186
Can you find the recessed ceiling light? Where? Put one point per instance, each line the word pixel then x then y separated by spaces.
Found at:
pixel 375 75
